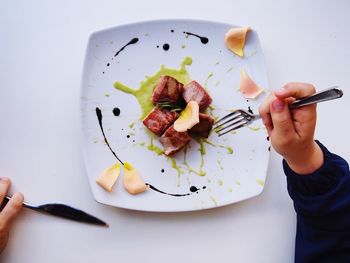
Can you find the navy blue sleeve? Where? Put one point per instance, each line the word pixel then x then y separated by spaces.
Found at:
pixel 322 203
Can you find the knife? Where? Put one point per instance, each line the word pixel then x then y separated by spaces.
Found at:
pixel 63 211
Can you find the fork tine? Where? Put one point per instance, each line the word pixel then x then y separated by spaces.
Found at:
pixel 219 127
pixel 226 116
pixel 241 120
pixel 234 128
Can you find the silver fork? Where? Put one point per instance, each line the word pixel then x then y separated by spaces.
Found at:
pixel 240 118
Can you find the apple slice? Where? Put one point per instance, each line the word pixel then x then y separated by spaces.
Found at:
pixel 235 39
pixel 108 177
pixel 248 87
pixel 133 182
pixel 188 117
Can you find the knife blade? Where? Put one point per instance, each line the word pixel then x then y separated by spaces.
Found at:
pixel 64 211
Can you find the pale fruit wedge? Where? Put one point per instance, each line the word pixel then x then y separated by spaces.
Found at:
pixel 188 117
pixel 235 39
pixel 108 177
pixel 133 182
pixel 248 87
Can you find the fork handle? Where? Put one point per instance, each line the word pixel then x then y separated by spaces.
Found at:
pixel 328 94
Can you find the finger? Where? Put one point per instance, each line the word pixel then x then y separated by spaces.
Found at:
pixel 264 111
pixel 4 186
pixel 11 210
pixel 281 118
pixel 295 90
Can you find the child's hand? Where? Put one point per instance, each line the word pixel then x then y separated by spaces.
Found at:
pixel 9 212
pixel 292 131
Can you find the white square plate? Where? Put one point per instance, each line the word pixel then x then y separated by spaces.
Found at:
pixel 230 175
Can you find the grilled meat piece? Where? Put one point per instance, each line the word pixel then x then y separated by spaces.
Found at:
pixel 203 128
pixel 167 89
pixel 158 120
pixel 194 91
pixel 174 141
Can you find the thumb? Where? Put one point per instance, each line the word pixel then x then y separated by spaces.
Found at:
pixel 281 118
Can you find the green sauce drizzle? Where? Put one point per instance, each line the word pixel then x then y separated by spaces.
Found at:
pixel 254 128
pixel 214 200
pixel 261 182
pixel 211 74
pixel 228 148
pixel 131 125
pixel 191 169
pixel 203 152
pixel 177 168
pixel 145 90
pixel 220 182
pixel 153 147
pixel 220 165
pixel 231 68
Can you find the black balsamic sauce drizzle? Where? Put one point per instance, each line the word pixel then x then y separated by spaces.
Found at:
pixel 99 117
pixel 131 42
pixel 250 110
pixel 204 40
pixel 193 189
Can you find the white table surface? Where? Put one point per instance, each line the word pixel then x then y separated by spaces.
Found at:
pixel 42 48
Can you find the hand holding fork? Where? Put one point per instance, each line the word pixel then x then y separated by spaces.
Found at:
pixel 289 115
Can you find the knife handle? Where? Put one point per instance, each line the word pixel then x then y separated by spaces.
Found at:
pixel 26 205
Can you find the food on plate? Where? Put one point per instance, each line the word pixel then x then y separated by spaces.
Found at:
pixel 235 39
pixel 108 177
pixel 133 182
pixel 173 141
pixel 158 120
pixel 194 91
pixel 188 117
pixel 203 128
pixel 248 87
pixel 170 97
pixel 167 89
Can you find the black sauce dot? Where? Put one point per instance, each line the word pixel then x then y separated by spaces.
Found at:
pixel 193 189
pixel 204 40
pixel 133 140
pixel 103 72
pixel 116 111
pixel 157 46
pixel 162 170
pixel 269 149
pixel 268 138
pixel 108 64
pixel 247 100
pixel 166 47
pixel 250 110
pixel 128 136
pixel 172 31
pixel 204 187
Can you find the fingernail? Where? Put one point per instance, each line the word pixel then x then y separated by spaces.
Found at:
pixel 280 91
pixel 278 105
pixel 4 179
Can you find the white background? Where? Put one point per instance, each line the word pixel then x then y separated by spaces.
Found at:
pixel 42 47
